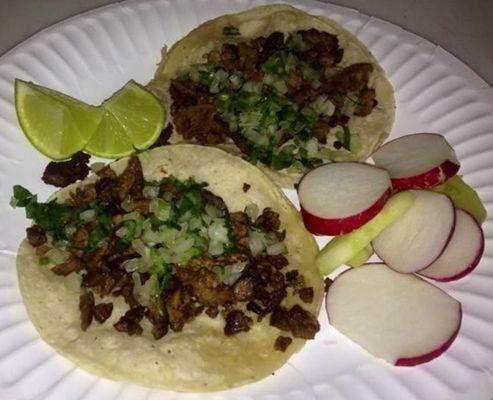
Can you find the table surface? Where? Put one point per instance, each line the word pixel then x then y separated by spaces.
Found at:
pixel 464 28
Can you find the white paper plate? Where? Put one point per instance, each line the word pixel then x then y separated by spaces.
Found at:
pixel 92 55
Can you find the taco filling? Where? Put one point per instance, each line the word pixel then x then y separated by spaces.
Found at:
pixel 172 250
pixel 283 99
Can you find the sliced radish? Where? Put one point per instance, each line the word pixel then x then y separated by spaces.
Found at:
pixel 417 161
pixel 463 252
pixel 340 197
pixel 342 249
pixel 419 237
pixel 400 318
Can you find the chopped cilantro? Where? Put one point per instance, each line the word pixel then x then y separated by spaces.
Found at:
pixel 346 142
pixel 231 30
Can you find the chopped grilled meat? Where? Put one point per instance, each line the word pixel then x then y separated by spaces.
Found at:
pixel 205 260
pixel 106 172
pixel 212 311
pixel 278 261
pixel 126 289
pixel 338 119
pixel 248 62
pixel 42 250
pixel 324 49
pixel 305 93
pixel 63 173
pixel 156 314
pixel 255 308
pixel 282 343
pixel 73 264
pixel 231 258
pixel 298 321
pixel 188 93
pixel 327 282
pixel 35 236
pixel 80 238
pixel 295 81
pixel 86 308
pixel 94 259
pixel 180 308
pixel 246 187
pixel 353 78
pixel 83 195
pixel 129 323
pixel 236 322
pixel 240 224
pixel 243 289
pixel 102 311
pixel 239 141
pixel 267 46
pixel 100 281
pixel 141 205
pixel 295 280
pixel 306 294
pixel 164 137
pixel 269 220
pixel 210 198
pixel 114 190
pixel 200 122
pixel 366 102
pixel 321 129
pixel 169 188
pixel 207 286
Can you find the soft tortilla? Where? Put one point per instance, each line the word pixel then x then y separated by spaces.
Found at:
pixel 201 358
pixel 367 133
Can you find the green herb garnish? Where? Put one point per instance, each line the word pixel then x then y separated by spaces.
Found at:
pixel 231 31
pixel 346 142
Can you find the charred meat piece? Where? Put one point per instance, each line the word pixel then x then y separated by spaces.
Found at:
pixel 236 322
pixel 212 311
pixel 248 62
pixel 100 281
pixel 278 261
pixel 73 264
pixel 246 187
pixel 240 224
pixel 188 93
pixel 306 294
pixel 255 308
pixel 282 343
pixel 180 308
pixel 327 282
pixel 216 201
pixel 298 321
pixel 207 286
pixel 321 129
pixel 200 122
pixel 164 137
pixel 267 46
pixel 35 236
pixel 83 195
pixel 366 102
pixel 353 78
pixel 126 289
pixel 129 323
pixel 63 173
pixel 102 311
pixel 239 141
pixel 295 280
pixel 106 172
pixel 268 220
pixel 80 238
pixel 243 289
pixel 156 314
pixel 324 48
pixel 86 308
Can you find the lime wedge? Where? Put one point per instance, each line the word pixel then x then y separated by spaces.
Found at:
pixel 133 118
pixel 56 124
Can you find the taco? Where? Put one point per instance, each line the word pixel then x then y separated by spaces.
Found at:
pixel 163 270
pixel 284 89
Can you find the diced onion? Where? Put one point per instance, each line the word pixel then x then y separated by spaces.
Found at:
pixel 276 249
pixel 88 215
pixel 150 191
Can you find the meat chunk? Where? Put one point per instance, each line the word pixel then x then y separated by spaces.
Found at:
pixel 327 282
pixel 63 173
pixel 243 289
pixel 180 308
pixel 324 48
pixel 246 187
pixel 164 137
pixel 278 261
pixel 102 311
pixel 212 311
pixel 216 201
pixel 306 294
pixel 298 321
pixel 267 46
pixel 156 314
pixel 73 264
pixel 366 102
pixel 207 286
pixel 240 224
pixel 353 78
pixel 200 122
pixel 188 93
pixel 129 323
pixel 321 129
pixel 282 343
pixel 86 308
pixel 83 195
pixel 236 322
pixel 268 220
pixel 35 236
pixel 239 141
pixel 101 282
